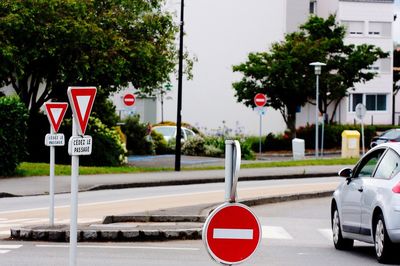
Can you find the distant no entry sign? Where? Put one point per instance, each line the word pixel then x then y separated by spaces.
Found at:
pixel 260 100
pixel 129 99
pixel 231 233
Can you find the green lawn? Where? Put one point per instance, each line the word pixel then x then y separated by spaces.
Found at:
pixel 42 169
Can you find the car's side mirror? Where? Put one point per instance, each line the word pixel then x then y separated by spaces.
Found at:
pixel 345 172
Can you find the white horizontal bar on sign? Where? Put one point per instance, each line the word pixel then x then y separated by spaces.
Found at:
pixel 221 233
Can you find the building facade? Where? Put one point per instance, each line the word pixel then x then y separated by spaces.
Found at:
pixel 364 25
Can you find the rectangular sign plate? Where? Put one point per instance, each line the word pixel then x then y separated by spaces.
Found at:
pixel 80 145
pixel 54 140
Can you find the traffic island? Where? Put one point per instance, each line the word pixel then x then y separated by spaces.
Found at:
pixel 117 232
pixel 160 225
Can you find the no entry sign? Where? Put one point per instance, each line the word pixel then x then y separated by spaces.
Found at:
pixel 260 100
pixel 231 233
pixel 129 99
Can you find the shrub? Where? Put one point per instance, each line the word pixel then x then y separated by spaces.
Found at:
pixel 194 146
pixel 160 144
pixel 137 140
pixel 13 121
pixel 108 147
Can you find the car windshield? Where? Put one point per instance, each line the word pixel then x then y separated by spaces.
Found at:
pixel 391 134
pixel 165 131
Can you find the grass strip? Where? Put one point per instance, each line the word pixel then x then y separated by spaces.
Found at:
pixel 42 169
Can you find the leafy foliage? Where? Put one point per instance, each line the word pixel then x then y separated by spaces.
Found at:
pixel 137 141
pixel 285 76
pixel 48 45
pixel 13 120
pixel 194 146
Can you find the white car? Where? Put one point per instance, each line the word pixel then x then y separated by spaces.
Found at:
pixel 169 132
pixel 366 206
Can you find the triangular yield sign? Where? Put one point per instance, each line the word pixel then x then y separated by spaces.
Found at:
pixel 81 100
pixel 55 113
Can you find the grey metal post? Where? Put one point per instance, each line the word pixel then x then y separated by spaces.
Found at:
pixel 73 231
pixel 316 115
pixel 260 132
pixel 232 167
pixel 51 188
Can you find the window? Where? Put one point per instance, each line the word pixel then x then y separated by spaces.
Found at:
pixel 354 27
pixel 367 166
pixel 389 166
pixel 313 7
pixel 357 98
pixel 383 29
pixel 373 102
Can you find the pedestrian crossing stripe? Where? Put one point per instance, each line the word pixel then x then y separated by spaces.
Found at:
pixel 327 233
pixel 4 249
pixel 275 232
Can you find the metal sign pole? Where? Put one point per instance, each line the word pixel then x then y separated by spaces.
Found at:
pixel 51 188
pixel 260 132
pixel 362 135
pixel 73 232
pixel 232 167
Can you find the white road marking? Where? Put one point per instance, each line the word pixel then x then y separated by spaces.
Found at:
pixel 275 232
pixel 119 247
pixel 4 233
pixel 10 246
pixel 4 251
pixel 221 233
pixel 327 233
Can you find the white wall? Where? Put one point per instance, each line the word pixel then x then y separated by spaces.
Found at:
pixel 221 34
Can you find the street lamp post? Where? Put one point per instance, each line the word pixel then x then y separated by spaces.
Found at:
pixel 179 105
pixel 317 67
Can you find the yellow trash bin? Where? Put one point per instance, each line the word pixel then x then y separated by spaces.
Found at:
pixel 350 144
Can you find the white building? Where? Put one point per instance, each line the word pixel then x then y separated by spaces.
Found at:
pixel 367 21
pixel 222 33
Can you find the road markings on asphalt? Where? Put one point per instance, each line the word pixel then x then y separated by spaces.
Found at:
pixel 327 233
pixel 119 247
pixel 275 232
pixel 4 249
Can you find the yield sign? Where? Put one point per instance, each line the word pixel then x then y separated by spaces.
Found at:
pixel 231 233
pixel 55 113
pixel 81 100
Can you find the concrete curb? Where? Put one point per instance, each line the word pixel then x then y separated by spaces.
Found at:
pixel 60 233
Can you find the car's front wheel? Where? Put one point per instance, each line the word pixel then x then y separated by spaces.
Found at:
pixel 383 245
pixel 338 240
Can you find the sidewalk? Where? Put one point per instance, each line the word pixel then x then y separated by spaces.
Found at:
pixel 167 224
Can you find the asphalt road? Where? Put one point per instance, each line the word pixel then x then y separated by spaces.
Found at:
pixel 94 205
pixel 294 233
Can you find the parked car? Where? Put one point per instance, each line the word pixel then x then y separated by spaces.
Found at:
pixel 366 206
pixel 391 135
pixel 169 132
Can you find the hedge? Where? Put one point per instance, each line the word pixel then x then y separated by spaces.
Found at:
pixel 13 121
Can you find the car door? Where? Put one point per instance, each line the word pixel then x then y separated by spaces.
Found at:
pixel 353 189
pixel 377 187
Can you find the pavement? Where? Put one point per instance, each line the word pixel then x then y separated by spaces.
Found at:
pixel 167 224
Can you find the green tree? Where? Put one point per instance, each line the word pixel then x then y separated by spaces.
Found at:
pixel 283 73
pixel 48 45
